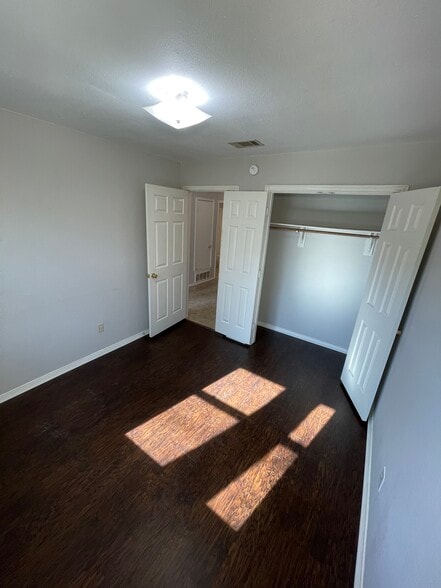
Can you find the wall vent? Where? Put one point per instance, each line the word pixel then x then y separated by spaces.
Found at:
pixel 244 144
pixel 202 276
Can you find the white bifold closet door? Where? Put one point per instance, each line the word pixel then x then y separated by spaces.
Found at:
pixel 406 229
pixel 167 221
pixel 245 226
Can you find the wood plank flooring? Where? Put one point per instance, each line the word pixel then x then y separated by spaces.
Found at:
pixel 186 460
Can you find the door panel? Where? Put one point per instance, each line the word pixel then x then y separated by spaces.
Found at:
pixel 178 242
pixel 167 220
pixel 245 226
pixel 406 229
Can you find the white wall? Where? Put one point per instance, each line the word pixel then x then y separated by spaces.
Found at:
pixel 72 244
pixel 330 210
pixel 416 164
pixel 314 292
pixel 404 530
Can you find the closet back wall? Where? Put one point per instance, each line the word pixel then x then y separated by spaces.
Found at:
pixel 73 246
pixel 314 292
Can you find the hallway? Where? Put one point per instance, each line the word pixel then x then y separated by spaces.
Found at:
pixel 202 303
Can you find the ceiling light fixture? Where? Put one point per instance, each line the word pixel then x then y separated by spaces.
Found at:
pixel 180 98
pixel 178 112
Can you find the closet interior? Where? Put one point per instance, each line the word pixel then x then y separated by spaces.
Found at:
pixel 320 249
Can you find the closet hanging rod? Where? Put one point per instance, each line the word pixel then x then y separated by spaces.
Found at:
pixel 326 231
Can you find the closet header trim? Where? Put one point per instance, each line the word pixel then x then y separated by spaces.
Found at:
pixel 362 190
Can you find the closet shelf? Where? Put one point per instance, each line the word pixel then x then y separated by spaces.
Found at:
pixel 326 230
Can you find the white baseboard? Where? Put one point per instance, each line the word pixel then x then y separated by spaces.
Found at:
pixel 364 516
pixel 70 366
pixel 202 282
pixel 303 337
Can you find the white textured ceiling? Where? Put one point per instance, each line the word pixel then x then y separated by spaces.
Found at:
pixel 296 74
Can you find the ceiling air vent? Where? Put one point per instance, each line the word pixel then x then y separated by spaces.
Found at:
pixel 243 144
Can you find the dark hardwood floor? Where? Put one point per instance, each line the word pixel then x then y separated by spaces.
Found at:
pixel 186 460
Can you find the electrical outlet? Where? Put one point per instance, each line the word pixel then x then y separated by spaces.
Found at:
pixel 100 327
pixel 381 478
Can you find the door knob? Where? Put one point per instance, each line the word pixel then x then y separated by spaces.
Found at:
pixel 154 276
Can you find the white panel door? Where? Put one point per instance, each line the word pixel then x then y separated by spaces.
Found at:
pixel 406 229
pixel 245 227
pixel 203 234
pixel 167 219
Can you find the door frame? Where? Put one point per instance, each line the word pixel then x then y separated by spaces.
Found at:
pixel 199 199
pixel 210 188
pixel 195 190
pixel 266 231
pixel 219 202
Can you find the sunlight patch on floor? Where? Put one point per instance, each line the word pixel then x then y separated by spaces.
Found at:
pixel 311 426
pixel 236 503
pixel 244 391
pixel 180 429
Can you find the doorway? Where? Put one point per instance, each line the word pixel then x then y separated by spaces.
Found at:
pixel 245 224
pixel 205 241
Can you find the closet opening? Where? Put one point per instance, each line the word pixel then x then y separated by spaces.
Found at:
pixel 205 240
pixel 320 249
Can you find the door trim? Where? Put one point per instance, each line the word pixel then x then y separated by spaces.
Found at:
pixel 266 231
pixel 199 199
pixel 211 188
pixel 365 501
pixel 219 202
